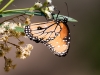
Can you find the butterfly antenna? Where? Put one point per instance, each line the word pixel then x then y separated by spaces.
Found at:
pixel 57 13
pixel 68 11
pixel 38 0
pixel 67 8
pixel 72 23
pixel 14 5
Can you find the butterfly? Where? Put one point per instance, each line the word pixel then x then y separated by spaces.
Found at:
pixel 54 34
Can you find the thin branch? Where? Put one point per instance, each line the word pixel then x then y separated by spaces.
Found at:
pixel 6 5
pixel 13 44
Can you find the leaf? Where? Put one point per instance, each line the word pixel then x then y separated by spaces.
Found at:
pixel 10 13
pixel 19 29
pixel 62 17
pixel 5 14
pixel 1 1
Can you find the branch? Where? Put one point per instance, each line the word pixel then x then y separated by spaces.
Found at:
pixel 6 5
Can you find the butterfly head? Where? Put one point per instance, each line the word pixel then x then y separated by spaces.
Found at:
pixel 65 20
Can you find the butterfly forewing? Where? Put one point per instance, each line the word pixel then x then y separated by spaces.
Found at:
pixel 44 30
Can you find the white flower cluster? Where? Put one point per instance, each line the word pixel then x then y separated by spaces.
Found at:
pixel 49 1
pixel 8 25
pixel 23 52
pixel 38 4
pixel 7 30
pixel 48 10
pixel 4 38
pixel 11 25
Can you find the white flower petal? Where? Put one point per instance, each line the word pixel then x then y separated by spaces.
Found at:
pixel 49 1
pixel 2 29
pixel 51 8
pixel 48 14
pixel 38 4
pixel 5 24
pixel 12 25
pixel 29 46
pixel 22 57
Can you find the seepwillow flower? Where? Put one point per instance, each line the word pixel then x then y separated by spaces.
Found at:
pixel 49 1
pixel 7 31
pixel 10 28
pixel 51 8
pixel 38 5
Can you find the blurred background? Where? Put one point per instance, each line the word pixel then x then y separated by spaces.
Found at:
pixel 83 57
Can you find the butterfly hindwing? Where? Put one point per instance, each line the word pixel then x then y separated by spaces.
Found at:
pixel 60 45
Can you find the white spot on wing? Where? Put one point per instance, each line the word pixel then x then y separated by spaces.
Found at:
pixel 58 46
pixel 56 42
pixel 68 42
pixel 69 37
pixel 45 26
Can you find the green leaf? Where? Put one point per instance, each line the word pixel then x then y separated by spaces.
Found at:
pixel 5 14
pixel 62 17
pixel 10 13
pixel 19 29
pixel 1 1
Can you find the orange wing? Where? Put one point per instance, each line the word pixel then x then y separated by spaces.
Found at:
pixel 61 43
pixel 43 31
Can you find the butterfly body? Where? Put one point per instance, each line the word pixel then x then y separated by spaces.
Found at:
pixel 54 34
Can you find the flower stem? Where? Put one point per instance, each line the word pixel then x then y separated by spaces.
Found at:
pixel 6 5
pixel 5 57
pixel 18 39
pixel 11 18
pixel 13 44
pixel 15 10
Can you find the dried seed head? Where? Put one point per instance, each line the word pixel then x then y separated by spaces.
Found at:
pixel 2 53
pixel 21 42
pixel 22 33
pixel 2 46
pixel 27 21
pixel 9 61
pixel 5 38
pixel 13 66
pixel 18 53
pixel 7 49
pixel 17 34
pixel 7 68
pixel 19 24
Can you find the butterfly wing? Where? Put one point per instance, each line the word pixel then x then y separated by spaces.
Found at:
pixel 43 31
pixel 60 45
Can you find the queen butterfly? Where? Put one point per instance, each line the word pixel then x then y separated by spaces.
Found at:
pixel 54 34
